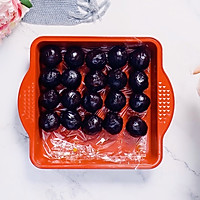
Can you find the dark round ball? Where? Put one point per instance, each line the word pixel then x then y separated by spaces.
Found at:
pixel 117 79
pixel 71 99
pixel 92 124
pixel 117 57
pixel 71 79
pixel 113 123
pixel 115 101
pixel 138 81
pixel 49 121
pixel 71 120
pixel 74 57
pixel 92 102
pixel 136 127
pixel 139 59
pixel 50 99
pixel 50 55
pixel 95 81
pixel 96 59
pixel 139 102
pixel 50 78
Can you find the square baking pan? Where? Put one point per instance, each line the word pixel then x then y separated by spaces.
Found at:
pixel 158 118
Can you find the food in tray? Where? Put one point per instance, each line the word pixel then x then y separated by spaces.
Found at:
pixel 139 102
pixel 95 80
pixel 49 121
pixel 96 59
pixel 92 124
pixel 115 101
pixel 136 126
pixel 117 79
pixel 71 78
pixel 50 56
pixel 117 57
pixel 74 57
pixel 138 81
pixel 49 99
pixel 50 78
pixel 71 120
pixel 92 101
pixel 113 123
pixel 139 59
pixel 71 99
pixel 63 83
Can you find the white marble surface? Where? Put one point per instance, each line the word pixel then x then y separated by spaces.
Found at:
pixel 176 24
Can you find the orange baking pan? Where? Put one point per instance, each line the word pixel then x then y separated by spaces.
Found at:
pixel 73 149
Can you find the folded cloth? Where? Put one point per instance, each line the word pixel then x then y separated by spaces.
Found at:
pixel 65 12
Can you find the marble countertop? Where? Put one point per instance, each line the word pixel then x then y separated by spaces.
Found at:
pixel 176 24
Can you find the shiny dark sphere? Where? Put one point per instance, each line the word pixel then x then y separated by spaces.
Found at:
pixel 74 57
pixel 92 124
pixel 117 79
pixel 71 120
pixel 96 59
pixel 117 57
pixel 50 78
pixel 113 123
pixel 50 55
pixel 139 102
pixel 139 59
pixel 92 102
pixel 138 81
pixel 136 127
pixel 95 81
pixel 71 79
pixel 50 99
pixel 115 101
pixel 49 121
pixel 71 99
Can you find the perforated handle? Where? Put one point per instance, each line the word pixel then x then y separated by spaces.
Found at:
pixel 165 106
pixel 26 103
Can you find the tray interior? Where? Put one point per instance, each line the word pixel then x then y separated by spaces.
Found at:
pixel 152 153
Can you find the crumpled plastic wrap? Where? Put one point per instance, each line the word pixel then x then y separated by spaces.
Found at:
pixel 77 147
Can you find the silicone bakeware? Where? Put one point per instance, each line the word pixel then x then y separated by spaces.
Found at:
pixel 158 120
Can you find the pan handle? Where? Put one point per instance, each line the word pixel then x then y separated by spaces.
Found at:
pixel 165 105
pixel 26 103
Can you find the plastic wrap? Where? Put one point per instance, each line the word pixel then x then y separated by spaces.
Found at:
pixel 76 146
